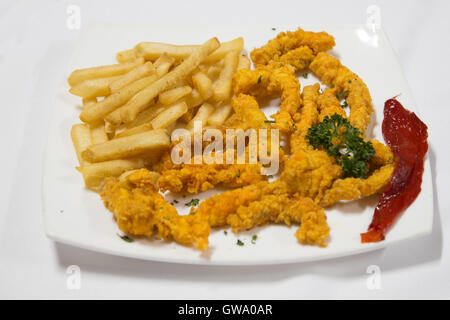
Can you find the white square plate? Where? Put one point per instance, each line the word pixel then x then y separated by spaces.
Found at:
pixel 76 216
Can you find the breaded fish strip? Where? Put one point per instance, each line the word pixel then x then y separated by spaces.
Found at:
pixel 247 114
pixel 299 58
pixel 307 116
pixel 309 173
pixel 195 178
pixel 217 208
pixel 328 104
pixel 287 210
pixel 271 81
pixel 140 210
pixel 287 41
pixel 329 69
pixel 287 83
pixel 355 188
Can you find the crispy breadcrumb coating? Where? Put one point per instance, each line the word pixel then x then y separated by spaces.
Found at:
pixel 140 210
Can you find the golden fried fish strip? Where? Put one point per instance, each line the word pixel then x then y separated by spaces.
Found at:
pixel 140 210
pixel 247 114
pixel 195 178
pixel 383 155
pixel 287 41
pixel 328 104
pixel 310 172
pixel 355 188
pixel 284 209
pixel 253 82
pixel 329 69
pixel 306 118
pixel 285 80
pixel 299 58
pixel 217 208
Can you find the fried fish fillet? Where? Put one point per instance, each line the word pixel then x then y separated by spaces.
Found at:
pixel 355 188
pixel 284 209
pixel 272 80
pixel 195 178
pixel 287 41
pixel 140 210
pixel 330 70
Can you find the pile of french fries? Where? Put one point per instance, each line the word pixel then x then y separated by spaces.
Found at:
pixel 130 108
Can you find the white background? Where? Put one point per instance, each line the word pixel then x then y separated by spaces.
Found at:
pixel 35 48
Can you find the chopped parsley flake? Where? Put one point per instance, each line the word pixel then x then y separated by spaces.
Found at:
pixel 270 176
pixel 193 202
pixel 254 238
pixel 345 104
pixel 225 232
pixel 340 95
pixel 269 121
pixel 239 173
pixel 239 243
pixel 305 75
pixel 125 238
pixel 259 79
pixel 274 29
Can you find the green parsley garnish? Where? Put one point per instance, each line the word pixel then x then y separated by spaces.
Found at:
pixel 167 218
pixel 239 173
pixel 225 232
pixel 126 238
pixel 175 201
pixel 305 75
pixel 344 142
pixel 239 243
pixel 270 176
pixel 345 104
pixel 269 121
pixel 274 29
pixel 193 203
pixel 341 94
pixel 254 238
pixel 259 79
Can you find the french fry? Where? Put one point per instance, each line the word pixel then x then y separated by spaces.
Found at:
pixel 87 102
pixel 137 73
pixel 213 72
pixel 93 88
pixel 244 63
pixel 110 103
pixel 98 133
pixel 126 56
pixel 81 139
pixel 220 114
pixel 127 147
pixel 202 115
pixel 146 116
pixel 81 75
pixel 135 130
pixel 95 173
pixel 170 115
pixel 226 47
pixel 163 64
pixel 203 84
pixel 152 50
pixel 138 103
pixel 222 86
pixel 173 95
